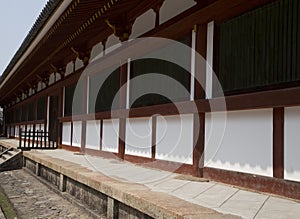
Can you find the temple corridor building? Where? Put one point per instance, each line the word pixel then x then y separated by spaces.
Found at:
pixel 84 80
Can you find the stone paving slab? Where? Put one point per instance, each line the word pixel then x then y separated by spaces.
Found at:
pixel 244 203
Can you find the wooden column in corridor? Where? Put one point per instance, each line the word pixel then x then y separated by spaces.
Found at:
pixel 278 142
pixel 122 105
pixel 200 79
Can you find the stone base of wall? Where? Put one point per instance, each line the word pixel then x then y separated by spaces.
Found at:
pixel 95 201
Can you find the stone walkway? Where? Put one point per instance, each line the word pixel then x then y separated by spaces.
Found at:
pixel 32 199
pixel 1 214
pixel 217 196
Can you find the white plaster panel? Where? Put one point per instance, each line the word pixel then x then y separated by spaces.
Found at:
pixel 66 133
pixel 171 8
pixel 174 138
pixel 69 68
pixel 97 49
pixel 42 127
pixel 52 79
pixel 138 137
pixel 78 64
pixel 12 131
pixel 241 142
pixel 110 135
pixel 143 24
pixel 76 140
pixel 209 62
pixel 17 131
pixel 93 134
pixel 291 143
pixel 112 43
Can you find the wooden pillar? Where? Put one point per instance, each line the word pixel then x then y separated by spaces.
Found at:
pixel 84 112
pixel 122 29
pixel 60 114
pixel 199 118
pixel 278 142
pixel 122 105
pixel 153 140
pixel 46 114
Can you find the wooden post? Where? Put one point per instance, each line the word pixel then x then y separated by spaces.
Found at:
pixel 199 118
pixel 84 112
pixel 278 142
pixel 122 105
pixel 60 114
pixel 153 140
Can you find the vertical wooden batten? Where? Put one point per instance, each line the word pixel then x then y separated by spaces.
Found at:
pixel 153 138
pixel 199 93
pixel 278 142
pixel 60 114
pixel 122 105
pixel 84 111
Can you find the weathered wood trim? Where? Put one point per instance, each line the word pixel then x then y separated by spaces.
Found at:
pixel 153 137
pixel 278 142
pixel 84 111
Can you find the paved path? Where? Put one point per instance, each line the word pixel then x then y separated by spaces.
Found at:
pixel 32 199
pixel 220 197
pixel 1 214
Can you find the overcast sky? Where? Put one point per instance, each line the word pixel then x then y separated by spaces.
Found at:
pixel 16 19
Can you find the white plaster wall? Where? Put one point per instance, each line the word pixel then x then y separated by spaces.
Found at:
pixel 39 87
pixel 17 131
pixel 112 43
pixel 138 137
pixel 69 68
pixel 143 24
pixel 78 64
pixel 171 8
pixel 76 140
pixel 52 79
pixel 291 143
pixel 42 127
pixel 57 77
pixel 110 135
pixel 97 49
pixel 93 134
pixel 30 128
pixel 12 131
pixel 174 138
pixel 22 129
pixel 66 133
pixel 241 143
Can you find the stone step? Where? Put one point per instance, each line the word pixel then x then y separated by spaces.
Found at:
pixel 6 156
pixel 12 152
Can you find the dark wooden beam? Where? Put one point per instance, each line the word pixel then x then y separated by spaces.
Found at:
pixel 153 139
pixel 122 105
pixel 278 142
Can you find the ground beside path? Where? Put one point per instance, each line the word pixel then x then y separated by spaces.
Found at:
pixel 32 199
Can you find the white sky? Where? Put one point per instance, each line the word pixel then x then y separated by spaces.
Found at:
pixel 16 19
